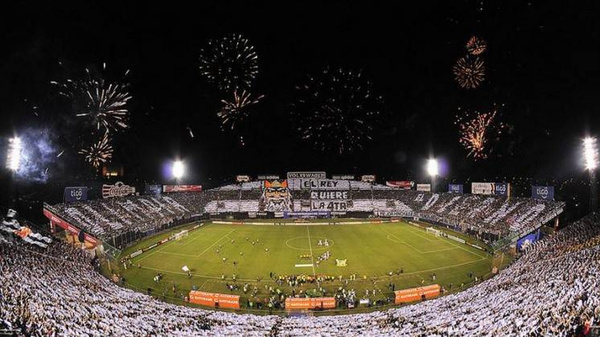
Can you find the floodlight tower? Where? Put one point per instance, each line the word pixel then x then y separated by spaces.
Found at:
pixel 590 156
pixel 13 160
pixel 433 171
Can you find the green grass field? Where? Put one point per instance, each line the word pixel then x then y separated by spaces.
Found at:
pixel 372 251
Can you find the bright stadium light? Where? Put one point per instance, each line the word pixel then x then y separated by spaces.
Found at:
pixel 432 167
pixel 590 157
pixel 178 169
pixel 14 154
pixel 590 153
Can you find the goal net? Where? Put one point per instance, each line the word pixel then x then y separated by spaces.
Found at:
pixel 434 231
pixel 180 235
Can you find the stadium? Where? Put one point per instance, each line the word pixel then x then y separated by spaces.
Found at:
pixel 275 190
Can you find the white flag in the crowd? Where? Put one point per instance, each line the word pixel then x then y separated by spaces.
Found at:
pixel 185 269
pixel 40 237
pixel 34 242
pixel 6 228
pixel 11 213
pixel 12 225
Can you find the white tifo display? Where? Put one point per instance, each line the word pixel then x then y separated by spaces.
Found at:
pixel 178 236
pixel 434 231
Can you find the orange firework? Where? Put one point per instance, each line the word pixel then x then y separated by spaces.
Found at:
pixel 234 110
pixel 99 153
pixel 469 72
pixel 476 133
pixel 476 46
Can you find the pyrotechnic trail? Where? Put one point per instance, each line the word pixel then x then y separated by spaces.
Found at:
pixel 230 63
pixel 469 72
pixel 235 110
pixel 336 110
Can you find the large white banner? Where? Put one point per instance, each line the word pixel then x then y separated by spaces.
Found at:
pixel 329 200
pixel 323 184
pixel 482 188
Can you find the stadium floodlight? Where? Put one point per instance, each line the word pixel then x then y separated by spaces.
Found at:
pixel 590 153
pixel 178 169
pixel 14 154
pixel 432 167
pixel 590 156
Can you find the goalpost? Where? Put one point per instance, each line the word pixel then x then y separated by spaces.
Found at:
pixel 433 231
pixel 178 236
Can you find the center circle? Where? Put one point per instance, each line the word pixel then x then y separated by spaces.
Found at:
pixel 301 243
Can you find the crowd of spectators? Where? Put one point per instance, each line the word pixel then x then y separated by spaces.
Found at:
pixel 477 213
pixel 137 216
pixel 553 289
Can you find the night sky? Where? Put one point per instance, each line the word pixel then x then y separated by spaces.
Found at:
pixel 542 75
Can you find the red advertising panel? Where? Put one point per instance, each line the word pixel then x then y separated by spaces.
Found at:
pixel 416 294
pixel 67 226
pixel 292 303
pixel 182 188
pixel 403 184
pixel 215 300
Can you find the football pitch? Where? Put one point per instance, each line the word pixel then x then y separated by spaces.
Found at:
pixel 376 254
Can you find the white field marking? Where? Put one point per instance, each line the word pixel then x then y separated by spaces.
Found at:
pixel 203 284
pixel 218 279
pixel 447 240
pixel 389 237
pixel 466 250
pixel 445 267
pixel 303 237
pixel 424 237
pixel 178 254
pixel 402 242
pixel 304 265
pixel 209 247
pixel 430 238
pixel 197 237
pixel 194 275
pixel 444 240
pixel 311 252
pixel 155 250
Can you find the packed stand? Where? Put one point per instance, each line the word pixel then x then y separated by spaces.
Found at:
pixel 553 289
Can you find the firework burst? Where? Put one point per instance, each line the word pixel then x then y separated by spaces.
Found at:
pixel 99 153
pixel 230 63
pixel 469 72
pixel 476 46
pixel 233 111
pixel 477 131
pixel 336 110
pixel 102 103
